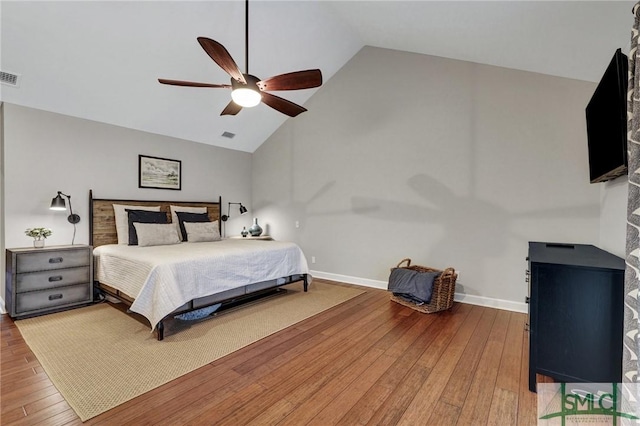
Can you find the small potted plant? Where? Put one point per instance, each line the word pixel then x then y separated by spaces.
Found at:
pixel 38 235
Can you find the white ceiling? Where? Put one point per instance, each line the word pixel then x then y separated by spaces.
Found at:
pixel 101 60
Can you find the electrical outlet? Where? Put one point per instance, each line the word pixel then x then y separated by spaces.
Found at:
pixel 313 259
pixel 297 224
pixel 458 272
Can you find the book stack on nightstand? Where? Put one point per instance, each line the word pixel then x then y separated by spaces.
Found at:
pixel 48 279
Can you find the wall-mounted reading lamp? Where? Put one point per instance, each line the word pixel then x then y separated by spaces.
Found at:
pixel 58 203
pixel 225 217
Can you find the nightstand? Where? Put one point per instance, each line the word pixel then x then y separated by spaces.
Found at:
pixel 44 280
pixel 248 237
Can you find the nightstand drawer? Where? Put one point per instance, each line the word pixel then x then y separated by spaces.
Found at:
pixel 52 279
pixel 43 261
pixel 51 298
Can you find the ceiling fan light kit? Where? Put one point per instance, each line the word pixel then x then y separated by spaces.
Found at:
pixel 246 95
pixel 248 90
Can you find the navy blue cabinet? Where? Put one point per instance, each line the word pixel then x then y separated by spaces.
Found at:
pixel 575 313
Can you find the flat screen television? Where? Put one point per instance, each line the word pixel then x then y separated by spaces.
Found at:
pixel 607 123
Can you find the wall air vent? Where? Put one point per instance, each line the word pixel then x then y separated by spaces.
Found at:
pixel 9 78
pixel 228 135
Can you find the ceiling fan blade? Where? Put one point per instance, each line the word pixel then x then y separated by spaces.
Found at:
pixel 232 108
pixel 192 83
pixel 293 81
pixel 282 105
pixel 221 56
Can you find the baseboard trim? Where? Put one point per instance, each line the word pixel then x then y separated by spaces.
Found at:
pixel 2 308
pixel 349 280
pixel 507 305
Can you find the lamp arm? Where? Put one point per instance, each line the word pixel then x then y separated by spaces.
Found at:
pixel 70 209
pixel 72 218
pixel 225 217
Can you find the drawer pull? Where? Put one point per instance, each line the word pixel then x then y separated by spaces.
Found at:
pixel 55 260
pixel 55 278
pixel 55 296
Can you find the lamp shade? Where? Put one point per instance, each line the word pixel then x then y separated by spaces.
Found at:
pixel 58 203
pixel 243 209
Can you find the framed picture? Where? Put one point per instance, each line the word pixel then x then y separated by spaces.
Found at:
pixel 159 173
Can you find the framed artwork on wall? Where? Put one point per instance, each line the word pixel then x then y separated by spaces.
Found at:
pixel 159 173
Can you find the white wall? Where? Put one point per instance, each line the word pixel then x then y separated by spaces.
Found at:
pixel 46 152
pixel 613 215
pixel 447 162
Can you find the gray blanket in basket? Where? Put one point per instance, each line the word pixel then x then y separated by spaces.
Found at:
pixel 412 285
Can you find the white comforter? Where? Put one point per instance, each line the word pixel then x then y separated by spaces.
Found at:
pixel 163 278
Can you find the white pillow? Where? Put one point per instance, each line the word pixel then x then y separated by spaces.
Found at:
pixel 156 234
pixel 122 219
pixel 202 231
pixel 174 216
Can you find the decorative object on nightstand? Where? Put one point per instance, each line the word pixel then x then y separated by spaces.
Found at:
pixel 39 235
pixel 50 279
pixel 255 229
pixel 57 203
pixel 244 232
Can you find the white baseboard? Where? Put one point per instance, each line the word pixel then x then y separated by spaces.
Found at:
pixel 2 307
pixel 349 280
pixel 507 305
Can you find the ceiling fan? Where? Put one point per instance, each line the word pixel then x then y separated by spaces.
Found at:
pixel 248 90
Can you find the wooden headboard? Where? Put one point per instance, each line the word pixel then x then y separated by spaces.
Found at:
pixel 102 221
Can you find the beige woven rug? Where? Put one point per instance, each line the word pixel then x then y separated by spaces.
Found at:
pixel 99 357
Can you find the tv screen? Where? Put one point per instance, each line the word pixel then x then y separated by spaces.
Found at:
pixel 607 123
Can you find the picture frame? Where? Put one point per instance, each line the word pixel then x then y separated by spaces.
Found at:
pixel 159 173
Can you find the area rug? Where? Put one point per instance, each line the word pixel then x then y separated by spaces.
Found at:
pixel 99 357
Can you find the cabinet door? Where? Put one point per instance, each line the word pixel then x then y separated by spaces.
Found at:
pixel 578 329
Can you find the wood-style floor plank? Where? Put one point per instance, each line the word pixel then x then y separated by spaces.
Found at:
pixel 476 405
pixel 366 361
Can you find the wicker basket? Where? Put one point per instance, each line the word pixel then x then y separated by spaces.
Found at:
pixel 444 287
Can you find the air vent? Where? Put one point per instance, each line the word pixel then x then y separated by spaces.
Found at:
pixel 228 135
pixel 10 79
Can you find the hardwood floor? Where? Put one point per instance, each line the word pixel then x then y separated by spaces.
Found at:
pixel 367 361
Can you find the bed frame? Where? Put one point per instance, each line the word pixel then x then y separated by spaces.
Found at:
pixel 102 230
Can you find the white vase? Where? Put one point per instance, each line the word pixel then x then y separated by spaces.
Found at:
pixel 38 243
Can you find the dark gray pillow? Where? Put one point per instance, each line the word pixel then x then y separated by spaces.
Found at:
pixel 190 217
pixel 142 216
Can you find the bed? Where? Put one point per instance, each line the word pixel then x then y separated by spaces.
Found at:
pixel 160 281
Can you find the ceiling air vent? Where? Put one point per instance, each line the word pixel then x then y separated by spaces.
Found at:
pixel 228 135
pixel 8 78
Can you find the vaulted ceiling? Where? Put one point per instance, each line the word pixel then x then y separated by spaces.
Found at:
pixel 100 60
